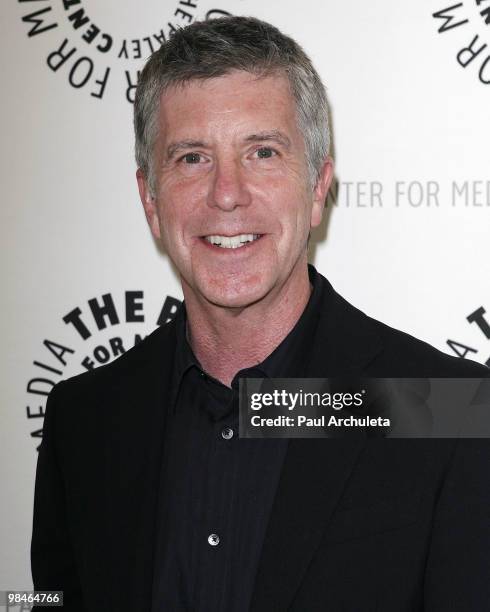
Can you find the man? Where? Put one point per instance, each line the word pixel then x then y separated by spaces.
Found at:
pixel 146 499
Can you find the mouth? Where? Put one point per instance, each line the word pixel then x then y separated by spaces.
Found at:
pixel 238 241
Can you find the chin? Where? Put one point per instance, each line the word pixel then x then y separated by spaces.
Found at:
pixel 232 294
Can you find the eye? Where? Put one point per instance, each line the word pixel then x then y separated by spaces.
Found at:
pixel 265 153
pixel 191 158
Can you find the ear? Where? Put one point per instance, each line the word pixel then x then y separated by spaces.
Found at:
pixel 149 203
pixel 320 191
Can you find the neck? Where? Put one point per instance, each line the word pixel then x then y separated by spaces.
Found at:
pixel 226 340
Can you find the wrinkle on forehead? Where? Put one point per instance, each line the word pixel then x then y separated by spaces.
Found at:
pixel 206 105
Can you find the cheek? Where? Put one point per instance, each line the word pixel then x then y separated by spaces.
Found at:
pixel 180 219
pixel 292 210
pixel 184 196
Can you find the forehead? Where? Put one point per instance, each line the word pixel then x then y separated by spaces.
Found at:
pixel 231 103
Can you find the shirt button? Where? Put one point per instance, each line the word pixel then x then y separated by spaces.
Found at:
pixel 213 539
pixel 227 433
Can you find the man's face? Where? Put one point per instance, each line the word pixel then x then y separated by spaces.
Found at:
pixel 230 167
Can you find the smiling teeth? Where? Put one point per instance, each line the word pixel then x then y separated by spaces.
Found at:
pixel 232 242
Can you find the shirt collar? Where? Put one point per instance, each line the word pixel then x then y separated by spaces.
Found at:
pixel 288 359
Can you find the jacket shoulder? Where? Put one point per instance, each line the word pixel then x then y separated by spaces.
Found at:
pixel 383 351
pixel 415 357
pixel 155 349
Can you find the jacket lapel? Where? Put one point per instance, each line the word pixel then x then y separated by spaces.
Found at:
pixel 315 471
pixel 133 461
pixel 313 478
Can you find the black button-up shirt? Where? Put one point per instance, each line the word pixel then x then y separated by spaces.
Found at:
pixel 217 489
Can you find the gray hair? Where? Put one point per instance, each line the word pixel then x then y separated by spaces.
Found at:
pixel 208 49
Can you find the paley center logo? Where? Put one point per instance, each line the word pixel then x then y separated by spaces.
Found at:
pixel 471 20
pixel 479 320
pixel 97 45
pixel 92 334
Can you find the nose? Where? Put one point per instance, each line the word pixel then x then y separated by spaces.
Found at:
pixel 229 186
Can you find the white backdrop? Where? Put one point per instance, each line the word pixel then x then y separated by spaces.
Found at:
pixel 407 239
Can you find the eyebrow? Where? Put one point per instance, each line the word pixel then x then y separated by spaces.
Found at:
pixel 174 147
pixel 270 135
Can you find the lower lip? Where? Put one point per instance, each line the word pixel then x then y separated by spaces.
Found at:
pixel 243 249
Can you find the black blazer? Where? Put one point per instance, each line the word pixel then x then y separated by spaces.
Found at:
pixel 357 525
